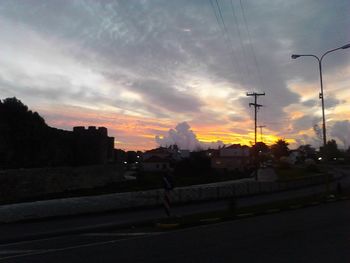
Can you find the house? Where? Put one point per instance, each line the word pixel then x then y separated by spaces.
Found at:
pixel 172 152
pixel 233 157
pixel 160 152
pixel 235 150
pixel 295 156
pixel 156 164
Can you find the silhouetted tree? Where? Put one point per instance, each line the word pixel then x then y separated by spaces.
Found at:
pixel 260 147
pixel 347 155
pixel 120 156
pixel 260 152
pixel 197 165
pixel 131 157
pixel 331 151
pixel 280 148
pixel 318 132
pixel 307 151
pixel 21 133
pixel 27 141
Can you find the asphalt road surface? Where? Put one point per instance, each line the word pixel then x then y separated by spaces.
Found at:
pixel 315 234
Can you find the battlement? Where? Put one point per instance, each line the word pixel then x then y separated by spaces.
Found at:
pixel 92 144
pixel 91 130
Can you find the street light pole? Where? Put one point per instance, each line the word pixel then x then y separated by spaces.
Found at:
pixel 321 95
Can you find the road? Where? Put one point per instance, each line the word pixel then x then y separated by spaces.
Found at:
pixel 315 234
pixel 57 226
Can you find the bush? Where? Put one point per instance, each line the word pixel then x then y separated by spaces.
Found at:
pixel 283 163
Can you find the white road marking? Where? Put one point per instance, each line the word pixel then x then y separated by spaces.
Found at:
pixel 121 234
pixel 273 210
pixel 209 220
pixel 244 215
pixel 29 241
pixel 295 206
pixel 71 248
pixel 19 251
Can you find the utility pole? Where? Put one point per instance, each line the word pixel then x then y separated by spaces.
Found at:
pixel 261 134
pixel 256 107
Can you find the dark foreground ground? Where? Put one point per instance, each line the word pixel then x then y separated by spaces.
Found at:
pixel 314 234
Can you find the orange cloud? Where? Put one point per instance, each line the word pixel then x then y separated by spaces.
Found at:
pixel 138 133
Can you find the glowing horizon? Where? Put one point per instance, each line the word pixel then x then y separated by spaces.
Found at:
pixel 88 62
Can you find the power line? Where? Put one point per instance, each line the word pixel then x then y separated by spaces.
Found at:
pixel 240 37
pixel 261 133
pixel 226 36
pixel 217 18
pixel 250 42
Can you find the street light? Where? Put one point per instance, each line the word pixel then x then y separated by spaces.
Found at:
pixel 321 96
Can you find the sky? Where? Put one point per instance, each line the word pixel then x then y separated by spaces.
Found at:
pixel 156 72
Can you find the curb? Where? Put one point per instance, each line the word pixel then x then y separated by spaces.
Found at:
pixel 165 226
pixel 73 231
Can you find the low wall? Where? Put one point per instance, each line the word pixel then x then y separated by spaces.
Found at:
pixel 151 198
pixel 21 184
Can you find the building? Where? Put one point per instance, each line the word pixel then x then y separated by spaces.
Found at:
pixel 172 152
pixel 156 164
pixel 163 158
pixel 92 145
pixel 233 157
pixel 160 152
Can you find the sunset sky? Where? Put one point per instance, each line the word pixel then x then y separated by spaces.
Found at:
pixel 141 67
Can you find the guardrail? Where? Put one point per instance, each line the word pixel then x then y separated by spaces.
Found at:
pixel 150 198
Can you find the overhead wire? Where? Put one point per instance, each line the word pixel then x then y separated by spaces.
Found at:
pixel 236 22
pixel 251 43
pixel 226 37
pixel 216 16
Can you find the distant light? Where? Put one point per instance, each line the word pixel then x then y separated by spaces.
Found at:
pixel 138 156
pixel 126 162
pixel 319 158
pixel 209 154
pixel 334 159
pixel 136 162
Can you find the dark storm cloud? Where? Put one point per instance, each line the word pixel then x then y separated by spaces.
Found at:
pixel 148 47
pixel 305 123
pixel 277 33
pixel 310 103
pixel 330 102
pixel 157 92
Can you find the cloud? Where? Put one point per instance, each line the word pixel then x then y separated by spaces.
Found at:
pixel 166 96
pixel 341 131
pixel 236 118
pixel 305 123
pixel 172 61
pixel 310 103
pixel 332 102
pixel 185 139
pixel 182 136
